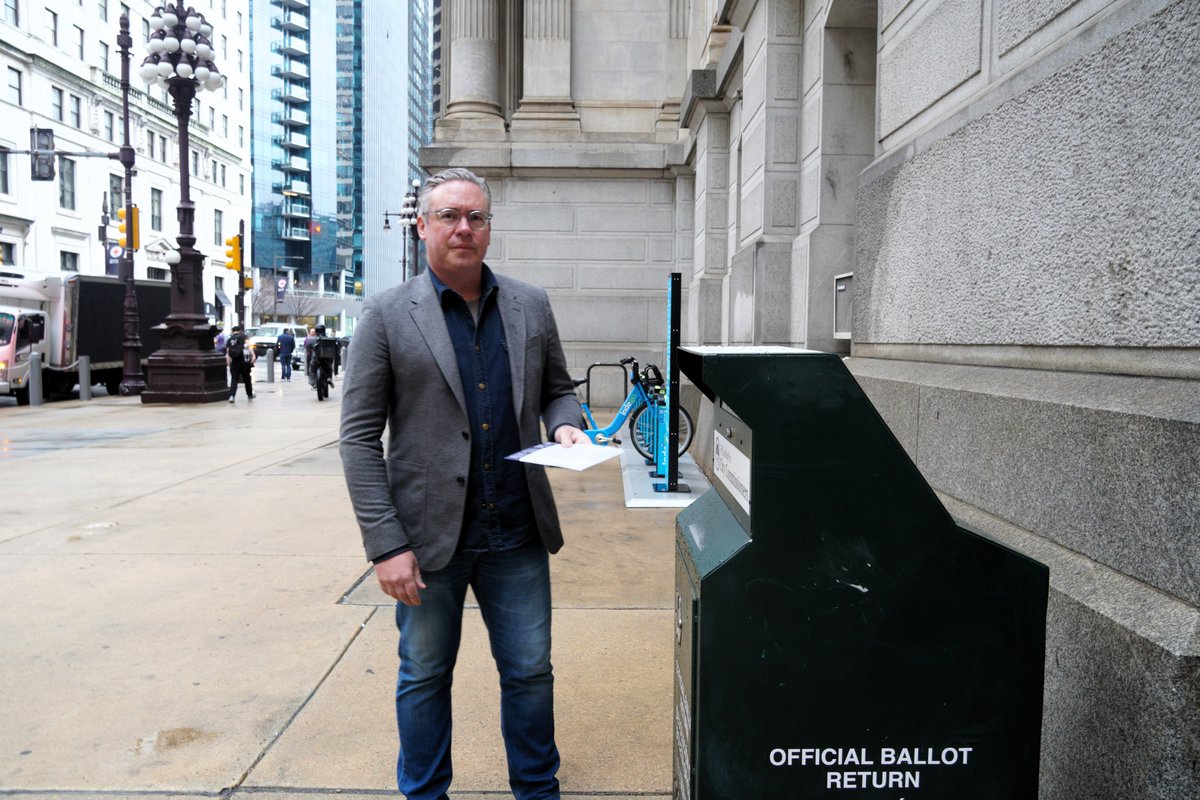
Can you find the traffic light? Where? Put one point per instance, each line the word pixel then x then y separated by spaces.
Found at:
pixel 233 253
pixel 41 146
pixel 247 282
pixel 130 229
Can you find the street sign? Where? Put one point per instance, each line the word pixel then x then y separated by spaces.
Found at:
pixel 112 265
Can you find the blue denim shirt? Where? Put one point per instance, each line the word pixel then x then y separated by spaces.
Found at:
pixel 498 515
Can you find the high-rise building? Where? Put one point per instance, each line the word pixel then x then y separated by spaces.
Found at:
pixel 61 69
pixel 396 122
pixel 335 135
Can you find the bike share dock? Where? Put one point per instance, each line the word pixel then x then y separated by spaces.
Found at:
pixel 639 483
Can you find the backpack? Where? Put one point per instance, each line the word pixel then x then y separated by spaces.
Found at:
pixel 237 347
pixel 325 348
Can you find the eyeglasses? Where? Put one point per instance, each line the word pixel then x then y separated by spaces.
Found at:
pixel 450 217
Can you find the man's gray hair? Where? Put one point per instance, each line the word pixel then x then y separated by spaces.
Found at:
pixel 449 176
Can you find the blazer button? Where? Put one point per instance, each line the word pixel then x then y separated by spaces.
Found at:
pixel 461 480
pixel 466 435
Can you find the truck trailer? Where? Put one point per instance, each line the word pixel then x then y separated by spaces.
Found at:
pixel 63 317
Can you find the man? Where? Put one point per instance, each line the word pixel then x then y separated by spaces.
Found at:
pixel 285 345
pixel 240 358
pixel 461 365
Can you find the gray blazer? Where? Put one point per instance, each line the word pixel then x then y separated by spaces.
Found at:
pixel 403 374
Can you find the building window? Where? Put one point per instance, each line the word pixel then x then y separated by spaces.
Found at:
pixel 241 184
pixel 14 86
pixel 8 254
pixel 145 29
pixel 212 176
pixel 162 148
pixel 212 119
pixel 195 164
pixel 56 103
pixel 217 220
pixel 241 99
pixel 68 261
pixel 156 209
pixel 225 125
pixel 110 126
pixel 12 12
pixel 4 172
pixel 241 136
pixel 158 274
pixel 104 56
pixel 79 42
pixel 76 111
pixel 239 21
pixel 66 183
pixel 222 174
pixel 116 194
pixel 51 27
pixel 103 5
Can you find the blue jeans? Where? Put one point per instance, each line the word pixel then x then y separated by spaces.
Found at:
pixel 513 590
pixel 285 367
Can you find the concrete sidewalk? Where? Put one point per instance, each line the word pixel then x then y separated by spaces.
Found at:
pixel 187 613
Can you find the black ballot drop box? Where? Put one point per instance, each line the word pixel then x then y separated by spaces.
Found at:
pixel 837 633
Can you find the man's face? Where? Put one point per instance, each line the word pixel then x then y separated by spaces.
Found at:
pixel 457 249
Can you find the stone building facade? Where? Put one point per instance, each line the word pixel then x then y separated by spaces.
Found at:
pixel 989 206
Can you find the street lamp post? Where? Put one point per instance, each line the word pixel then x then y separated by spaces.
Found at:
pixel 407 215
pixel 187 369
pixel 132 380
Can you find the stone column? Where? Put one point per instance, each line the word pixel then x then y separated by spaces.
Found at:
pixel 473 109
pixel 666 124
pixel 710 255
pixel 546 109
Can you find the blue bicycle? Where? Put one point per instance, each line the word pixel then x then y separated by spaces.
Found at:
pixel 644 406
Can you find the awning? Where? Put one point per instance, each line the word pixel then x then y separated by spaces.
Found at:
pixel 223 299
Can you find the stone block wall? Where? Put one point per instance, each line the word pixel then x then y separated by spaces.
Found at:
pixel 1026 319
pixel 603 248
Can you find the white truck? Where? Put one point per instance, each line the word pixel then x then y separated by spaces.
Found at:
pixel 63 317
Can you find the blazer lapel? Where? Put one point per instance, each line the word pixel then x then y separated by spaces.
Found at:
pixel 512 314
pixel 431 322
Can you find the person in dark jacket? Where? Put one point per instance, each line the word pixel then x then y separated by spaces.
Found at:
pixel 285 345
pixel 239 356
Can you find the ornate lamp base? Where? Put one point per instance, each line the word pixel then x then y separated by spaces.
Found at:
pixel 186 369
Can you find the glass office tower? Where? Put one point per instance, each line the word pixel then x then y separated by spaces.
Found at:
pixel 332 104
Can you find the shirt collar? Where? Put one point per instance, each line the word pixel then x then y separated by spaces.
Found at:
pixel 487 277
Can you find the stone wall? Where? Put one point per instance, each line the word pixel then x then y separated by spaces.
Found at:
pixel 1026 320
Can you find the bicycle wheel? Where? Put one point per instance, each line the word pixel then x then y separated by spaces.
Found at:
pixel 643 429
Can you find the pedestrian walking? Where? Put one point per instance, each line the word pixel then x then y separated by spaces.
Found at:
pixel 285 345
pixel 240 358
pixel 461 366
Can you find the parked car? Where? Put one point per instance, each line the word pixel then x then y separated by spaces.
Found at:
pixel 267 333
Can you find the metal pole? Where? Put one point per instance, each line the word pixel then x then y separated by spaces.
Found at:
pixel 241 298
pixel 85 377
pixel 34 384
pixel 133 382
